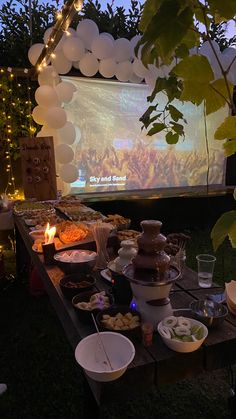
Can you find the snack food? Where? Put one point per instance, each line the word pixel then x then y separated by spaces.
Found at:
pixel 180 328
pixel 116 219
pixel 70 232
pixel 38 244
pixel 120 321
pixel 128 234
pixel 97 301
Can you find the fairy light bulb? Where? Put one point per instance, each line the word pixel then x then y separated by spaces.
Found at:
pixel 78 5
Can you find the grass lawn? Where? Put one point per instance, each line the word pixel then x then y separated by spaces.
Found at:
pixel 44 382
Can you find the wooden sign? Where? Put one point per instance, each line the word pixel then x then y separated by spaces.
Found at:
pixel 38 168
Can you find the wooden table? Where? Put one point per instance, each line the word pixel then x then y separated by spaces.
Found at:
pixel 152 366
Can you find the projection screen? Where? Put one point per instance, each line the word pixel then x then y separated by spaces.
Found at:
pixel 113 152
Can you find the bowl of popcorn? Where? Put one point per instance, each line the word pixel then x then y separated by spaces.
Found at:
pixel 182 334
pixel 120 319
pixel 89 302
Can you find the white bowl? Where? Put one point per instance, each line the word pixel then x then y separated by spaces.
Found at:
pixel 180 346
pixel 90 355
pixel 37 234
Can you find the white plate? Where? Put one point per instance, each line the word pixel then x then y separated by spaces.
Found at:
pixel 105 273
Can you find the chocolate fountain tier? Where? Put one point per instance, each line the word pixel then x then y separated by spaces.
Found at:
pixel 151 277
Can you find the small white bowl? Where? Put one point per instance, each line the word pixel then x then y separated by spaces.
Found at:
pixel 37 234
pixel 180 346
pixel 90 355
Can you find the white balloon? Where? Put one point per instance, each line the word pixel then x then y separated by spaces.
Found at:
pixel 47 34
pixel 133 43
pixel 150 80
pixel 34 53
pixel 122 50
pixel 134 78
pixel 139 69
pixel 46 97
pixel 55 117
pixel 39 115
pixel 69 173
pixel 76 64
pixel 108 35
pixel 67 134
pixel 87 31
pixel 124 71
pixel 88 65
pixel 65 91
pixel 73 48
pixel 107 67
pixel 60 62
pixel 48 76
pixel 102 47
pixel 64 154
pixel 48 132
pixel 70 32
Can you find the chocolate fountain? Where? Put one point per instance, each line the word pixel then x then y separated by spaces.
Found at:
pixel 151 275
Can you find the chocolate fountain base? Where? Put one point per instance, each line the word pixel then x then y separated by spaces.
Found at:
pixel 152 313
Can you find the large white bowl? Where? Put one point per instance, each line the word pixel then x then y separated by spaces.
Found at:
pixel 90 355
pixel 180 346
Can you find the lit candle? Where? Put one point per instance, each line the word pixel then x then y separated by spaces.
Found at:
pixel 48 245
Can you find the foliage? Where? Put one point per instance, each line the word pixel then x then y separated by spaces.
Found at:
pixel 190 76
pixel 15 34
pixel 15 109
pixel 16 37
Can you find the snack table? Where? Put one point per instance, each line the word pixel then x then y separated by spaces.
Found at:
pixel 152 366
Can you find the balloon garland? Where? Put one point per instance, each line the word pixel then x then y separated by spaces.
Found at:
pixel 90 52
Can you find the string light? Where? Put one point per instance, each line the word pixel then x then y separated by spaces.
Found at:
pixel 63 20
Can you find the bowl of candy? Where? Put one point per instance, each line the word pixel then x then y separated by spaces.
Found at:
pixel 182 334
pixel 89 302
pixel 77 261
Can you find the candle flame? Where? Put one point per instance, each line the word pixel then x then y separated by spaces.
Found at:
pixel 49 234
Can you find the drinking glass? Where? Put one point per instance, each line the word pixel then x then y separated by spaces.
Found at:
pixel 206 265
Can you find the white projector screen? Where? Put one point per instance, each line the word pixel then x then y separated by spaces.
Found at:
pixel 114 154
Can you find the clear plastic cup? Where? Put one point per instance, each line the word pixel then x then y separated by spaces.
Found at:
pixel 206 264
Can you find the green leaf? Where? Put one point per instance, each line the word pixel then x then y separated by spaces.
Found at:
pixel 230 147
pixel 196 68
pixel 150 8
pixel 161 84
pixel 227 130
pixel 234 194
pixel 156 128
pixel 193 92
pixel 232 235
pixel 145 118
pixel 175 113
pixel 172 138
pixel 178 128
pixel 216 95
pixel 222 228
pixel 226 9
pixel 168 35
pixel 182 51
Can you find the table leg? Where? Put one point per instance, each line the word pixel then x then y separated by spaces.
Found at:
pixel 91 410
